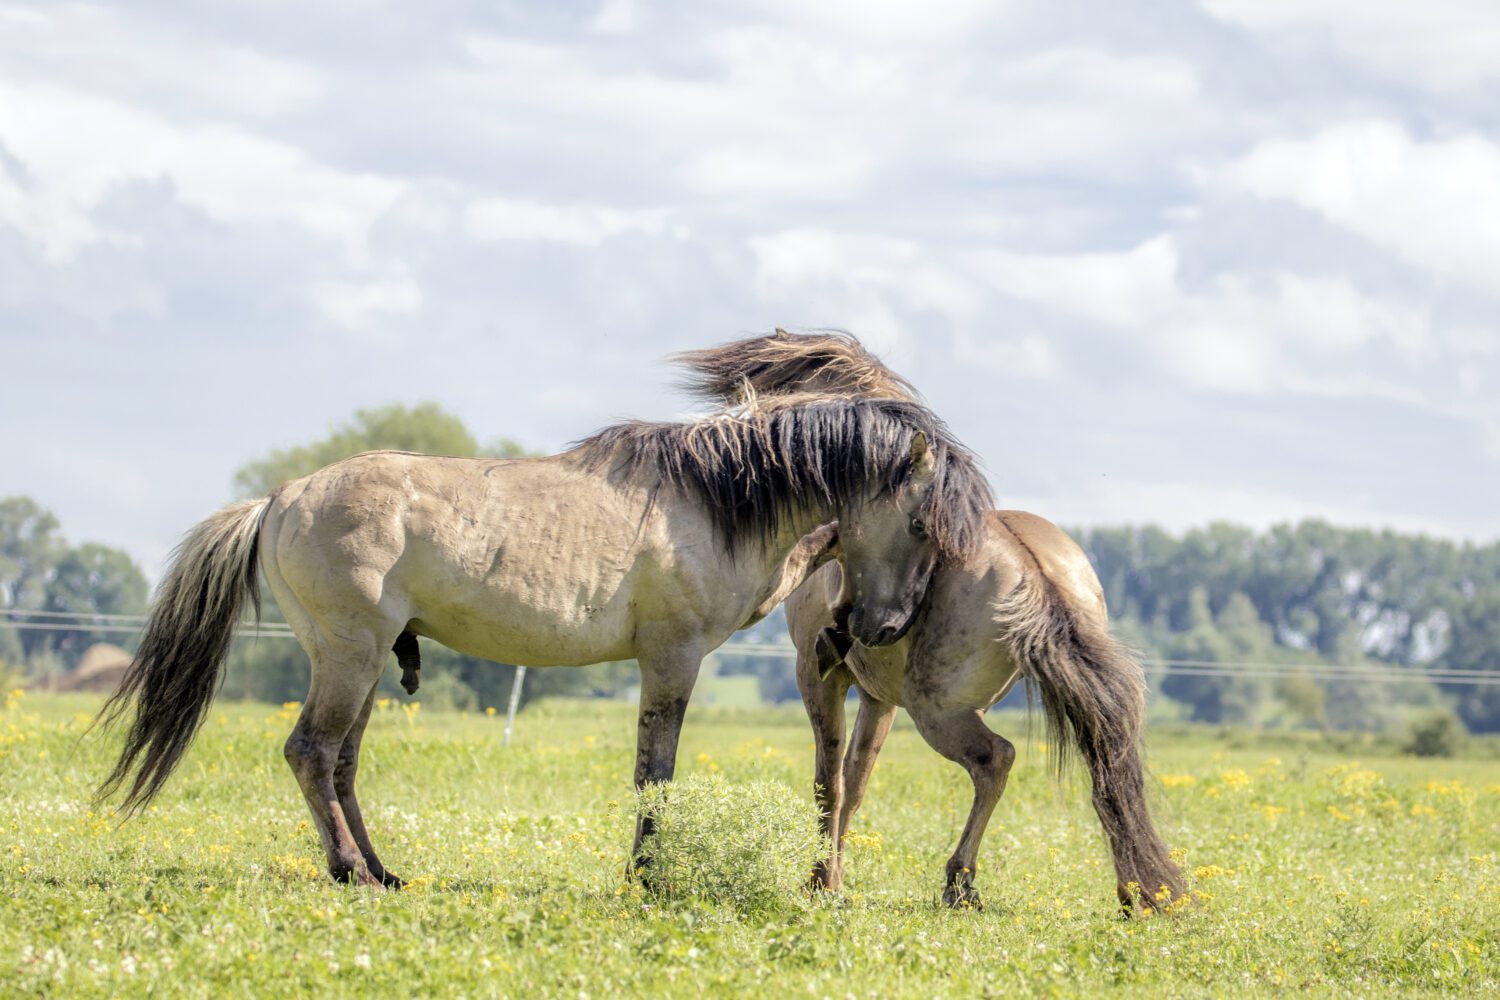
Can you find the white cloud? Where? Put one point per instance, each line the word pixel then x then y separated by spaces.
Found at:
pixel 1442 45
pixel 741 170
pixel 777 113
pixel 76 149
pixel 1029 356
pixel 864 280
pixel 355 304
pixel 134 56
pixel 1434 204
pixel 1237 333
pixel 616 17
pixel 496 219
pixel 888 21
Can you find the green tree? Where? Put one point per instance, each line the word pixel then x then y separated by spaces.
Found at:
pixel 90 579
pixel 29 547
pixel 1236 637
pixel 40 572
pixel 1474 644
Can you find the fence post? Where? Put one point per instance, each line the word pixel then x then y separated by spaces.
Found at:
pixel 515 702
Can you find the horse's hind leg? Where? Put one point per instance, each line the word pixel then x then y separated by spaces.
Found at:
pixel 823 696
pixel 343 785
pixel 342 682
pixel 962 737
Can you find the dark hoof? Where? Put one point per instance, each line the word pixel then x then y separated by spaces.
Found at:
pixel 825 879
pixel 354 876
pixel 411 680
pixel 392 882
pixel 831 647
pixel 645 877
pixel 962 897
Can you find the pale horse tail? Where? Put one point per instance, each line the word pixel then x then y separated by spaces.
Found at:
pixel 177 669
pixel 1093 694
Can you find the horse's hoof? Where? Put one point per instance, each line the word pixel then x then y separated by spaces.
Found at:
pixel 962 897
pixel 393 882
pixel 826 877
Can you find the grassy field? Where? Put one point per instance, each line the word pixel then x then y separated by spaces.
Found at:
pixel 1311 871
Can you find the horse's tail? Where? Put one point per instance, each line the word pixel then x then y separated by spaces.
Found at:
pixel 1093 691
pixel 177 668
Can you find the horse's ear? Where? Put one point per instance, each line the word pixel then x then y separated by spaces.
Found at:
pixel 922 463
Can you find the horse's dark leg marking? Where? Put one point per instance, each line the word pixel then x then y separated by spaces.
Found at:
pixel 410 659
pixel 343 785
pixel 962 737
pixel 823 696
pixel 341 685
pixel 666 685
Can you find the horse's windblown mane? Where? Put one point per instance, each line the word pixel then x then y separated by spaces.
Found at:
pixel 754 466
pixel 829 362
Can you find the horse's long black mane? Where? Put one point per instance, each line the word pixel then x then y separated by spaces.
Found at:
pixel 753 467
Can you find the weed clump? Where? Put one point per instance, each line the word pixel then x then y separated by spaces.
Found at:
pixel 1439 733
pixel 751 846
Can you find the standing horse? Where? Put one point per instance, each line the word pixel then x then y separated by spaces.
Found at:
pixel 649 540
pixel 1024 603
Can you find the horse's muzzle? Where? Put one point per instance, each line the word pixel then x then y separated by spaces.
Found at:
pixel 885 635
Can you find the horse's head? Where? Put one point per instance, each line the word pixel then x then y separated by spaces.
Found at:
pixel 889 555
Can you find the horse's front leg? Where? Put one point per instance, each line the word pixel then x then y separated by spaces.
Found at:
pixel 823 696
pixel 961 736
pixel 871 726
pixel 667 680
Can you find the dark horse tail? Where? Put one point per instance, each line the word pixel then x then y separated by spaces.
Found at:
pixel 1093 691
pixel 177 669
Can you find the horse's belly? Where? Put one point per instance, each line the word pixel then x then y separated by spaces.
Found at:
pixel 516 628
pixel 543 615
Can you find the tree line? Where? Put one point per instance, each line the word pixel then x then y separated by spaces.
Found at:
pixel 1296 596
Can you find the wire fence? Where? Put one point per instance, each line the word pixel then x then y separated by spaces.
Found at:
pixel 1374 673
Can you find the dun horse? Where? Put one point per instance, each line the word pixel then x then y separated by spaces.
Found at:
pixel 1023 603
pixel 649 540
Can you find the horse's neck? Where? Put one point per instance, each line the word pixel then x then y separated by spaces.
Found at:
pixel 799 542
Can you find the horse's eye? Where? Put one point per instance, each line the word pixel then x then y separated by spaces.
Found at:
pixel 919 527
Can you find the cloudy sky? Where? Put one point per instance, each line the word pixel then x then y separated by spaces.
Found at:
pixel 1155 261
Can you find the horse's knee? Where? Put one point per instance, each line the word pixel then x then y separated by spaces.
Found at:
pixel 308 756
pixel 1005 756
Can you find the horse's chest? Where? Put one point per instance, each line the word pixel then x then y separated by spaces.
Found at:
pixel 880 672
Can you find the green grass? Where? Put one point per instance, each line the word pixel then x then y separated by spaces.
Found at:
pixel 1314 872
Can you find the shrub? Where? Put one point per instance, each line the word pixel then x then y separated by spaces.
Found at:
pixel 751 846
pixel 1436 734
pixel 446 692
